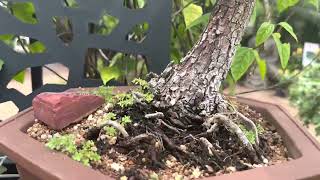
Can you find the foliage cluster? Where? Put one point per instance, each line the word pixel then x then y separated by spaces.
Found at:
pixel 189 17
pixel 305 93
pixel 86 153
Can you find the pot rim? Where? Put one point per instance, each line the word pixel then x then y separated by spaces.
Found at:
pixel 46 164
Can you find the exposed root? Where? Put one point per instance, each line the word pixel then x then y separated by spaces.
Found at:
pixel 137 139
pixel 154 115
pixel 177 130
pixel 253 127
pixel 229 124
pixel 209 146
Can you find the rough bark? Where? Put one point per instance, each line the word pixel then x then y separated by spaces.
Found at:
pixel 194 83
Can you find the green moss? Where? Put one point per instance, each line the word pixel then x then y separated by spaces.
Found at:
pixel 85 153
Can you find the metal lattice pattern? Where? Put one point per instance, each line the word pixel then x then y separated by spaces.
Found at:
pixel 155 47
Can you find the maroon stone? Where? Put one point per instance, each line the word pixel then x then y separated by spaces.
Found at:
pixel 58 110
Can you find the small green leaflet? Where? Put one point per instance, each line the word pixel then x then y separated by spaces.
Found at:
pixel 242 60
pixel 204 19
pixel 289 28
pixel 1 64
pixel 314 3
pixel 25 12
pixel 264 32
pixel 283 50
pixel 109 73
pixel 261 64
pixel 36 47
pixel 285 4
pixel 19 77
pixel 191 13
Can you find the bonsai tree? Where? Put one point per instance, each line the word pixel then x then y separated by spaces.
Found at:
pixel 189 91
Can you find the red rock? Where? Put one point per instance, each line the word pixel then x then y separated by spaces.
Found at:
pixel 58 110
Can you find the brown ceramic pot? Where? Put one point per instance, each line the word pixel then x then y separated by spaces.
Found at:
pixel 36 162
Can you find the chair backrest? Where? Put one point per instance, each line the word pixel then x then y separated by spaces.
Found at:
pixel 157 13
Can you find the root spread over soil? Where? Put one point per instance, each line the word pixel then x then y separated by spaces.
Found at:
pixel 157 144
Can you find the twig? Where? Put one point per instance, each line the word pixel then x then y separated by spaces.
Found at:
pixel 170 127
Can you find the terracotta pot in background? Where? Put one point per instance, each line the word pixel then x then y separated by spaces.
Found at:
pixel 36 162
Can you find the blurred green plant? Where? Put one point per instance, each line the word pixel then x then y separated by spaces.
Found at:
pixel 305 94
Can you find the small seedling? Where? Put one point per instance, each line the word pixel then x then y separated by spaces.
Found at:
pixel 111 131
pixel 124 100
pixel 125 120
pixel 110 116
pixel 148 97
pixel 142 83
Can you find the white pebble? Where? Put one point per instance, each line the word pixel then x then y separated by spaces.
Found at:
pixel 99 112
pixel 231 169
pixel 90 118
pixel 117 167
pixel 43 136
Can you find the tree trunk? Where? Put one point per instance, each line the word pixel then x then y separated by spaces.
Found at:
pixel 194 84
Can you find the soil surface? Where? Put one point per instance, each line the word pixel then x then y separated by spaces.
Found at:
pixel 175 154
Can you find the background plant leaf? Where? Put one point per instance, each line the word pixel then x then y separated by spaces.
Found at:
pixel 191 13
pixel 261 64
pixel 242 60
pixel 282 5
pixel 283 50
pixel 264 32
pixel 289 28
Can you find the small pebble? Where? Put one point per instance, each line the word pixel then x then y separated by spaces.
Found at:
pixel 231 169
pixel 43 136
pixel 112 140
pixel 99 112
pixel 183 148
pixel 103 137
pixel 209 169
pixel 90 118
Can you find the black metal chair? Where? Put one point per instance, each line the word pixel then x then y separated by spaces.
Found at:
pixel 155 47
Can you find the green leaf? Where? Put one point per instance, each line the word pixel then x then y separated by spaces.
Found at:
pixel 283 50
pixel 264 32
pixel 36 47
pixel 285 4
pixel 242 60
pixel 109 73
pixel 1 64
pixel 25 12
pixel 19 77
pixel 289 28
pixel 7 39
pixel 204 19
pixel 191 13
pixel 314 3
pixel 261 64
